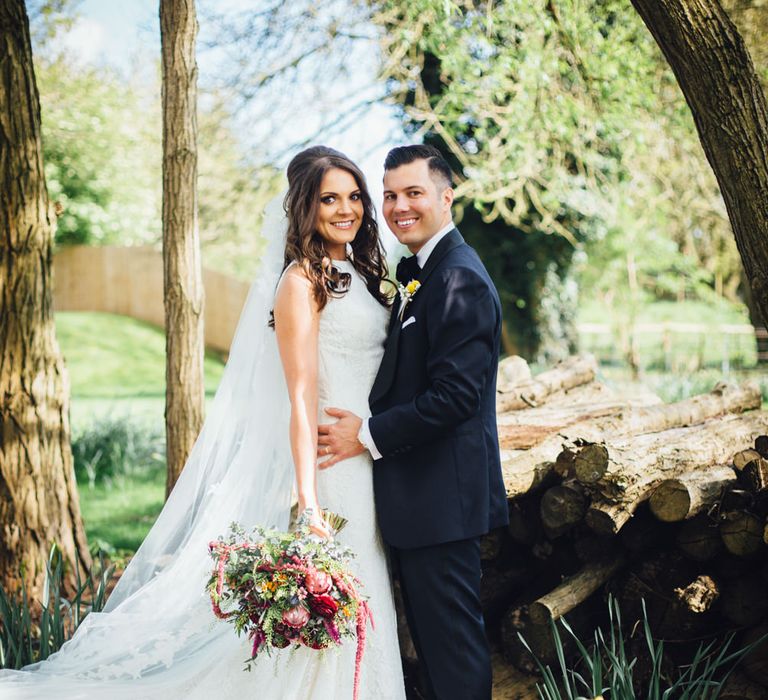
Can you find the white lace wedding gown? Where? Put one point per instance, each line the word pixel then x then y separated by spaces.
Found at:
pixel 351 342
pixel 352 333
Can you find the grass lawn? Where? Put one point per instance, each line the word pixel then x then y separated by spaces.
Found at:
pixel 117 369
pixel 111 356
pixel 118 516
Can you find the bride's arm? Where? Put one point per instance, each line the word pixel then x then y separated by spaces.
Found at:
pixel 296 327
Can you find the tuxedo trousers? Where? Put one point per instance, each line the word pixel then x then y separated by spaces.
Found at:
pixel 441 591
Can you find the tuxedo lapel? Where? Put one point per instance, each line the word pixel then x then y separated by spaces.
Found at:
pixel 386 373
pixel 450 241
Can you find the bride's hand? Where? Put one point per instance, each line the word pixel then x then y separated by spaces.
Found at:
pixel 317 525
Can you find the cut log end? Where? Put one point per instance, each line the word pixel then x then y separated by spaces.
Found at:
pixel 607 519
pixel 671 501
pixel 590 463
pixel 563 506
pixel 742 533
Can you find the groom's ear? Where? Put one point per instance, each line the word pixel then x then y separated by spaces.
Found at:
pixel 448 196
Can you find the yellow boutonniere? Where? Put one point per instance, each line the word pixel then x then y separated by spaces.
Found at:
pixel 407 293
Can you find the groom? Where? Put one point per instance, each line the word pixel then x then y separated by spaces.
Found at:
pixel 432 432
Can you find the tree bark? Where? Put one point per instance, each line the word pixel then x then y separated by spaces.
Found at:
pixel 591 461
pixel 573 591
pixel 567 374
pixel 529 470
pixel 717 77
pixel 183 292
pixel 39 503
pixel 685 496
pixel 699 595
pixel 639 464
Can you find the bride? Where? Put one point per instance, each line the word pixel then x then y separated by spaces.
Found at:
pixel 320 283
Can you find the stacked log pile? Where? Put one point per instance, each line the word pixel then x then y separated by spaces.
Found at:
pixel 653 502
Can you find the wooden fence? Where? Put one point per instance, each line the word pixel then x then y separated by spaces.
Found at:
pixel 129 281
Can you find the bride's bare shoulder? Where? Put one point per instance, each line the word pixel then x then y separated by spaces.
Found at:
pixel 294 292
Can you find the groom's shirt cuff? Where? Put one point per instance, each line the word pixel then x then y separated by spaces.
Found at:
pixel 365 437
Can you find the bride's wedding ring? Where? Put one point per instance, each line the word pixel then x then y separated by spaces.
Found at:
pixel 327 450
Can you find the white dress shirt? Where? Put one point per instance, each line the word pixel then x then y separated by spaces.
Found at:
pixel 364 436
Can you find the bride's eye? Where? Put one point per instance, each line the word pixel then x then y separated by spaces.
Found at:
pixel 356 197
pixel 328 199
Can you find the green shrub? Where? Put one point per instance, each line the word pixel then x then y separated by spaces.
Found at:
pixel 28 636
pixel 117 446
pixel 606 670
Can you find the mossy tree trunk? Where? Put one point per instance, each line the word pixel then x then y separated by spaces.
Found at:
pixel 39 503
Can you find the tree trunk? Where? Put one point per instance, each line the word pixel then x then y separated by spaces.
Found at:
pixel 183 293
pixel 39 503
pixel 761 332
pixel 563 506
pixel 717 77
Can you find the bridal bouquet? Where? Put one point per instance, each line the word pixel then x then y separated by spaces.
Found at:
pixel 288 588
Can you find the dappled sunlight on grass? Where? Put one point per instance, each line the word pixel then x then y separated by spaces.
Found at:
pixel 114 356
pixel 119 515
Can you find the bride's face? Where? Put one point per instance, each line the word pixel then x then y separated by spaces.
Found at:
pixel 340 212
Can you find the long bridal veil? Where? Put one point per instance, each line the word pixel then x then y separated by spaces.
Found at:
pixel 157 631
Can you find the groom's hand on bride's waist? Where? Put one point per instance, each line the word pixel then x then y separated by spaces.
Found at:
pixel 338 441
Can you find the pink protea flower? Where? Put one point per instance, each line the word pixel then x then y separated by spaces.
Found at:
pixel 296 617
pixel 318 582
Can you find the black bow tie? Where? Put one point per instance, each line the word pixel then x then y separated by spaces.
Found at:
pixel 407 269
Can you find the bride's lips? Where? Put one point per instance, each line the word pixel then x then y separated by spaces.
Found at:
pixel 406 223
pixel 343 224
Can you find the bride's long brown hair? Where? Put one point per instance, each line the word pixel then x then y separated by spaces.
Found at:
pixel 305 245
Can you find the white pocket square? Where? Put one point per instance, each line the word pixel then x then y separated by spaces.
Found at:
pixel 408 322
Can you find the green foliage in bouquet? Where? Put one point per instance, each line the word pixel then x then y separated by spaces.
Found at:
pixel 287 588
pixel 605 669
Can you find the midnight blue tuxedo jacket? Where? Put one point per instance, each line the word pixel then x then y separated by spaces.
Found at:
pixel 433 406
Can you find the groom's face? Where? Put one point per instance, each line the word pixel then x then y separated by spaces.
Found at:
pixel 417 204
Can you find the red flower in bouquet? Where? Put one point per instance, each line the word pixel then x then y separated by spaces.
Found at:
pixel 323 605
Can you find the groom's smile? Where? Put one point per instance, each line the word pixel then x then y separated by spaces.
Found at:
pixel 405 224
pixel 416 203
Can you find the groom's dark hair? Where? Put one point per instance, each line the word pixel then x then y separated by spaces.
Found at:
pixel 438 166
